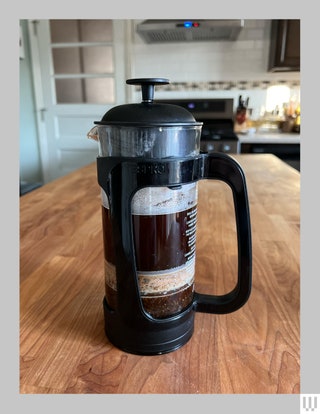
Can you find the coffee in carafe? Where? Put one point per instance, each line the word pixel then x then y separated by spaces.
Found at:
pixel 165 239
pixel 164 231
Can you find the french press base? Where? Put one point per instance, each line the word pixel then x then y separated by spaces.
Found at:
pixel 153 339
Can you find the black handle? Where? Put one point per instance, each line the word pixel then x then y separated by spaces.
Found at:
pixel 225 168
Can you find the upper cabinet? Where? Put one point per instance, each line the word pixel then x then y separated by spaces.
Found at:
pixel 285 46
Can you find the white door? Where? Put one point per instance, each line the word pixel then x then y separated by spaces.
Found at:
pixel 79 70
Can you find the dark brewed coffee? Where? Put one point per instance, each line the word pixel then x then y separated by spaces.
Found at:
pixel 164 247
pixel 162 241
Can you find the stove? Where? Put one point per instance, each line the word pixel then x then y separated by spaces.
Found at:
pixel 218 123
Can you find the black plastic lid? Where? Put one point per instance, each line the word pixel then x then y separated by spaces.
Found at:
pixel 148 113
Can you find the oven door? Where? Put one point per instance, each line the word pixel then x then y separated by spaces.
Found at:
pixel 220 145
pixel 218 135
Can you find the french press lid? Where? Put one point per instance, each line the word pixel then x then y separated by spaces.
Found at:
pixel 148 112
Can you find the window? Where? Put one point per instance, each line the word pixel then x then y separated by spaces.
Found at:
pixel 83 61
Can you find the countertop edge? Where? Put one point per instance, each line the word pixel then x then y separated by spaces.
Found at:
pixel 269 138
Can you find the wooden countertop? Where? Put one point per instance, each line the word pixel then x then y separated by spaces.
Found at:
pixel 63 348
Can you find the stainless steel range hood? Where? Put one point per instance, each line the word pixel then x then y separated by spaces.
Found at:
pixel 164 31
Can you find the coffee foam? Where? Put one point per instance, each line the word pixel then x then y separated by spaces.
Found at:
pixel 164 200
pixel 160 200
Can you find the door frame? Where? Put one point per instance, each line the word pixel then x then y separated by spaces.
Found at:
pixel 42 73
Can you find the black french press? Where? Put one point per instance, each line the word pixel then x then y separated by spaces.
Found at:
pixel 148 168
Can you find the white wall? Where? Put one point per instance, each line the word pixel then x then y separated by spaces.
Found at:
pixel 245 59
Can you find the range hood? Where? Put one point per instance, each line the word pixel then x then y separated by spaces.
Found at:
pixel 164 31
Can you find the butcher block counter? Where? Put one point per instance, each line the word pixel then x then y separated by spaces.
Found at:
pixel 63 347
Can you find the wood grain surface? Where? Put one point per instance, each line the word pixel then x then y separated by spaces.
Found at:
pixel 63 348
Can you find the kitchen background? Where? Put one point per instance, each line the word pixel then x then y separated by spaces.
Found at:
pixel 53 134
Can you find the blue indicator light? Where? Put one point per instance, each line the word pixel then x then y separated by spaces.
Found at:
pixel 187 24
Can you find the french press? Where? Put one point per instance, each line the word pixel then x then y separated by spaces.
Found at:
pixel 148 168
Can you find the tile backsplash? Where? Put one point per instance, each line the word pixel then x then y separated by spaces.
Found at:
pixel 227 85
pixel 256 91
